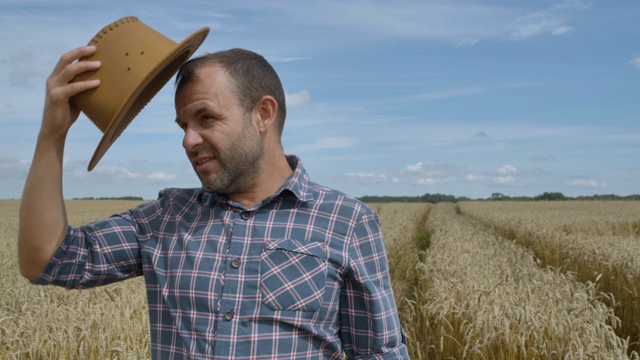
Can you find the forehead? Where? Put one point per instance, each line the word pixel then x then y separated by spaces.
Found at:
pixel 210 84
pixel 209 76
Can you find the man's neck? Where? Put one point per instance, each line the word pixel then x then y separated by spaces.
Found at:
pixel 275 172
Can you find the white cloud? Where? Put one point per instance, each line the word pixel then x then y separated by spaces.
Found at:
pixel 296 100
pixel 116 172
pixel 561 30
pixel 283 59
pixel 506 174
pixel 635 62
pixel 586 183
pixel 432 181
pixel 365 178
pixel 504 180
pixel 474 178
pixel 429 173
pixel 507 169
pixel 465 91
pixel 570 4
pixel 454 22
pixel 494 179
pixel 458 23
pixel 538 23
pixel 161 177
pixel 431 169
pixel 551 21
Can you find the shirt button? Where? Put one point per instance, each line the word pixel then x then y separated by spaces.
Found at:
pixel 245 215
pixel 235 263
pixel 228 315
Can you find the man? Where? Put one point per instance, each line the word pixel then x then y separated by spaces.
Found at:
pixel 258 263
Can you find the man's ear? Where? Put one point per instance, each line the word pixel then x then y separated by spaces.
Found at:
pixel 265 111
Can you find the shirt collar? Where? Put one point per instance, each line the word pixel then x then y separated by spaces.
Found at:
pixel 297 184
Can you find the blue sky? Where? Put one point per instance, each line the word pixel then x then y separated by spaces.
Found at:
pixel 465 98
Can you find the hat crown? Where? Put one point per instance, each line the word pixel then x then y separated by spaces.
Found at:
pixel 128 50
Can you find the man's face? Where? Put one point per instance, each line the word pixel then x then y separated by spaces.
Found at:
pixel 220 138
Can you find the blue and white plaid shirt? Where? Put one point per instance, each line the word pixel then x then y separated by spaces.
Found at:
pixel 302 275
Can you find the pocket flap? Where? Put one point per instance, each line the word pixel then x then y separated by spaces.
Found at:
pixel 301 247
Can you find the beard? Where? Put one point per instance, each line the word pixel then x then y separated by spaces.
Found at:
pixel 239 168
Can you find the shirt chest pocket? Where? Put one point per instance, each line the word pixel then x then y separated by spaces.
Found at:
pixel 293 275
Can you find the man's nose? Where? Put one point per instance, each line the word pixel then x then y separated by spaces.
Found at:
pixel 191 139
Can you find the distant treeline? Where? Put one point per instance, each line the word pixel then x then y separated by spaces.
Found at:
pixel 547 196
pixel 111 198
pixel 431 198
pixel 436 198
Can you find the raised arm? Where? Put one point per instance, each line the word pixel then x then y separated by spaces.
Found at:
pixel 43 217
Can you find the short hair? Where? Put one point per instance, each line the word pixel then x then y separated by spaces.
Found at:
pixel 254 77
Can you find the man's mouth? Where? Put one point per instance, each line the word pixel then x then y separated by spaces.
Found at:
pixel 201 161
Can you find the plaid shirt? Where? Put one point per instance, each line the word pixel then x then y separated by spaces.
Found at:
pixel 302 275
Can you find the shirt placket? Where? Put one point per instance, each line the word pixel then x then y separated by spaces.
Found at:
pixel 231 287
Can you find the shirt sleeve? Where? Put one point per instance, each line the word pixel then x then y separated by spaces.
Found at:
pixel 370 327
pixel 95 254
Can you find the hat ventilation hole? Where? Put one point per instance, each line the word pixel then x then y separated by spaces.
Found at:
pixel 148 90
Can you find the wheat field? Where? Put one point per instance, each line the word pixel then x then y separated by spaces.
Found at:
pixel 47 322
pixel 474 280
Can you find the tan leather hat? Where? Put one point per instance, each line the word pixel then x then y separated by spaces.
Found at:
pixel 137 61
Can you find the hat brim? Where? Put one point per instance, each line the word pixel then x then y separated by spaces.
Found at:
pixel 152 83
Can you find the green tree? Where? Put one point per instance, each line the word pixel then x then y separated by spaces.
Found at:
pixel 551 196
pixel 498 196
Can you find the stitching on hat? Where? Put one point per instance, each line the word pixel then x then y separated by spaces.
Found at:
pixel 111 27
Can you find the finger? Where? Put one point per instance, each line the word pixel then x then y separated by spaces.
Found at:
pixel 70 89
pixel 73 55
pixel 68 67
pixel 80 86
pixel 70 71
pixel 61 87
